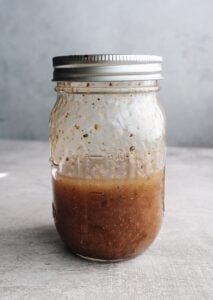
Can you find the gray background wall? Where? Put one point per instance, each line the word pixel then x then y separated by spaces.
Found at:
pixel 32 32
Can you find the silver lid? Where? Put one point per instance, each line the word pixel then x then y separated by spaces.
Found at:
pixel 107 67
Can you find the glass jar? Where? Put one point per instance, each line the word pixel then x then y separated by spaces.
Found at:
pixel 107 140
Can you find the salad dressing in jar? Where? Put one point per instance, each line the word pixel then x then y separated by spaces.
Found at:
pixel 107 141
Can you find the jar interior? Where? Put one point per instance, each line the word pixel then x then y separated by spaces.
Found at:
pixel 98 135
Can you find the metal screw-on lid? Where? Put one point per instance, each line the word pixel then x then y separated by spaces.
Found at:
pixel 107 67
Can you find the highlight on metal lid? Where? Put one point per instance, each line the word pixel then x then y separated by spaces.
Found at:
pixel 107 67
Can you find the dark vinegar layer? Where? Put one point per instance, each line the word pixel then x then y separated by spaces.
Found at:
pixel 108 219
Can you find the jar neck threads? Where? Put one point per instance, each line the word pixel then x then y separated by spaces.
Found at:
pixel 107 87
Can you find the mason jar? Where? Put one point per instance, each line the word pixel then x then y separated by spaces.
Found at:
pixel 107 142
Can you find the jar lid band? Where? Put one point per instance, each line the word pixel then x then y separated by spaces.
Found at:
pixel 107 67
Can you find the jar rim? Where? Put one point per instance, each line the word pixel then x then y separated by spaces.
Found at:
pixel 107 67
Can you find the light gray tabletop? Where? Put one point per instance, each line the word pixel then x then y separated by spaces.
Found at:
pixel 34 264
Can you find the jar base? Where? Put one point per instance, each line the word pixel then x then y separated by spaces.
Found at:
pixel 100 260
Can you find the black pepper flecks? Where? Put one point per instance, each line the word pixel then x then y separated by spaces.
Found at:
pixel 67 115
pixel 110 84
pixel 88 84
pixel 67 158
pixel 131 135
pixel 85 135
pixel 98 99
pixel 132 148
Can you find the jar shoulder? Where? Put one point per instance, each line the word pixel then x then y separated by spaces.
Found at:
pixel 118 114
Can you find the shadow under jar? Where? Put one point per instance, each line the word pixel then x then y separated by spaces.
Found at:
pixel 107 140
